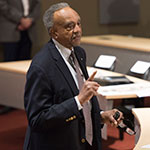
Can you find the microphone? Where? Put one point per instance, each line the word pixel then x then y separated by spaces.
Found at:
pixel 125 124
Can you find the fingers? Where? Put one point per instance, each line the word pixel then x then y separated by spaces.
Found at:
pixel 108 117
pixel 88 90
pixel 91 86
pixel 113 122
pixel 120 114
pixel 91 78
pixel 117 120
pixel 94 89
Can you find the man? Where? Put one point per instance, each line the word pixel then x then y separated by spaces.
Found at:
pixel 17 30
pixel 54 105
pixel 17 27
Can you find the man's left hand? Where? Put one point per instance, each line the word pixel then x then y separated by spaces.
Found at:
pixel 108 117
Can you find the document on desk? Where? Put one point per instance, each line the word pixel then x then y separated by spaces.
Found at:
pixel 139 89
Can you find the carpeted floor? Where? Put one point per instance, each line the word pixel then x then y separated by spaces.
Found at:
pixel 13 126
pixel 114 143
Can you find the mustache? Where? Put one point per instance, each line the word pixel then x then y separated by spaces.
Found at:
pixel 76 35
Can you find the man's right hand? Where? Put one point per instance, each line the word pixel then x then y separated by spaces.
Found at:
pixel 88 90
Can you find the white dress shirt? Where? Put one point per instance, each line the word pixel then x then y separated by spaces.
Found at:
pixel 65 53
pixel 26 7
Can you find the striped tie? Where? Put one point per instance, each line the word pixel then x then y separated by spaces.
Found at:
pixel 86 106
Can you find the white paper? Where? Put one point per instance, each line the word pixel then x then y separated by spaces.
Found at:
pixel 140 67
pixel 144 93
pixel 139 89
pixel 105 61
pixel 146 146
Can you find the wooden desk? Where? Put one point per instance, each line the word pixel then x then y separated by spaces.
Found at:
pixel 119 41
pixel 127 49
pixel 142 116
pixel 12 81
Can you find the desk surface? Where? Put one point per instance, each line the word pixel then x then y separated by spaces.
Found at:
pixel 119 41
pixel 20 67
pixel 142 115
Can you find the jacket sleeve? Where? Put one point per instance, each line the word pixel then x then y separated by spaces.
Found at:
pixel 9 11
pixel 35 10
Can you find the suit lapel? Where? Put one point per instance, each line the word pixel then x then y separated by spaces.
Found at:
pixel 81 63
pixel 63 68
pixel 67 75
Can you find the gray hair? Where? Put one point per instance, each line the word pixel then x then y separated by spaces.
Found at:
pixel 49 13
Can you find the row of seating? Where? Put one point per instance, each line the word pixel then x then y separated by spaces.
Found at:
pixel 140 69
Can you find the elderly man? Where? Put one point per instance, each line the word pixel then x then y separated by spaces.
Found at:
pixel 60 102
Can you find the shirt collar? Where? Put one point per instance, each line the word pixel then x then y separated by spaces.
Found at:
pixel 63 50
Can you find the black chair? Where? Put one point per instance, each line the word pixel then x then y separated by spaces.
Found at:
pixel 128 104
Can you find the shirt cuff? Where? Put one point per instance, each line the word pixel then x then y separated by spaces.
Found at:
pixel 101 112
pixel 78 103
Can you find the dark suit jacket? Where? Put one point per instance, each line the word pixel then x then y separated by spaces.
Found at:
pixel 55 123
pixel 11 11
